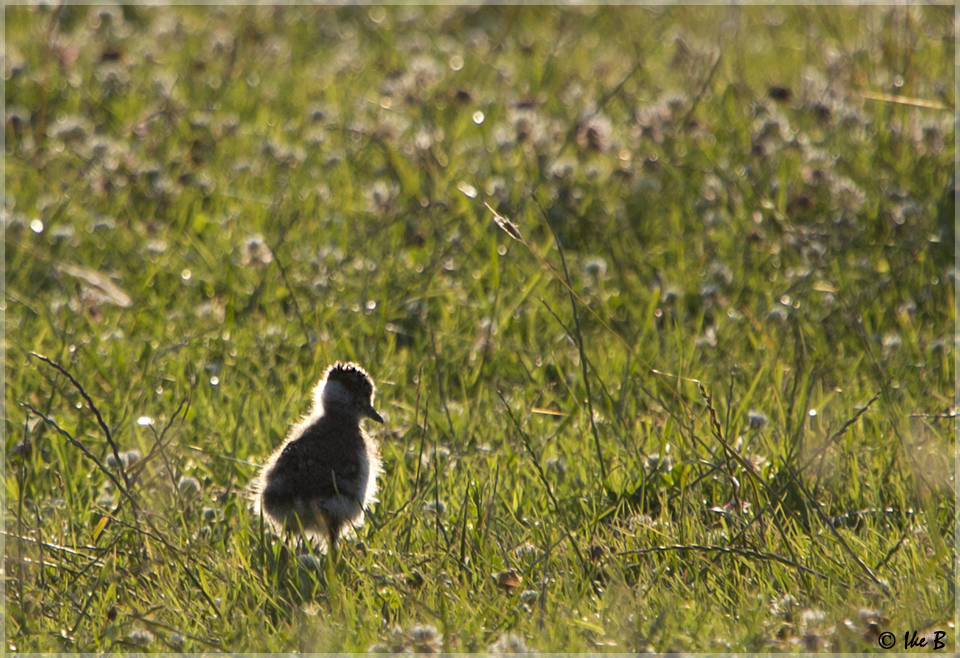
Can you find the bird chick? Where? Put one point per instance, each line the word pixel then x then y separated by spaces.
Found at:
pixel 324 475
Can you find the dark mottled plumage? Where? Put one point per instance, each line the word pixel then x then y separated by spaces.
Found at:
pixel 323 476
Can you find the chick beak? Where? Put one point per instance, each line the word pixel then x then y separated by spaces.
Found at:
pixel 373 415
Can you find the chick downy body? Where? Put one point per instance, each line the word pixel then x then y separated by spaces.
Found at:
pixel 324 475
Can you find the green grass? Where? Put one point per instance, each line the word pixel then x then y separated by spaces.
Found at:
pixel 555 477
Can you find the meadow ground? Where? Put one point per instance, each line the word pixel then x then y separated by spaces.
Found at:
pixel 205 207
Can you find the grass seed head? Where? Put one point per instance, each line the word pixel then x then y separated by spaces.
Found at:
pixel 504 223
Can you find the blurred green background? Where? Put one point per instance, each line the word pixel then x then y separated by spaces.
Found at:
pixel 204 207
